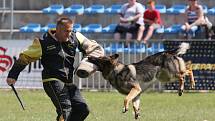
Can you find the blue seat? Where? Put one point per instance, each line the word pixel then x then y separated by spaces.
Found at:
pixel 76 9
pixel 77 27
pixel 94 9
pixel 31 27
pixel 211 11
pixel 144 8
pixel 174 29
pixel 92 28
pixel 160 30
pixel 113 9
pixel 109 29
pixel 205 9
pixel 161 8
pixel 52 9
pixel 176 9
pixel 48 26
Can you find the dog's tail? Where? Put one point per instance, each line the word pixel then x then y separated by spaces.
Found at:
pixel 182 48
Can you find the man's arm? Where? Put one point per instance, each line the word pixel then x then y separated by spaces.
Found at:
pixel 31 54
pixel 91 47
pixel 200 19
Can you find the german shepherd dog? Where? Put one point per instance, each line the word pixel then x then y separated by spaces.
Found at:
pixel 135 78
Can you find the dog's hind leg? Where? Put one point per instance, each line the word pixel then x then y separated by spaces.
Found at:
pixel 136 106
pixel 192 81
pixel 181 86
pixel 189 72
pixel 136 90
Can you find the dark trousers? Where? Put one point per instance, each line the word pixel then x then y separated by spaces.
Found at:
pixel 68 101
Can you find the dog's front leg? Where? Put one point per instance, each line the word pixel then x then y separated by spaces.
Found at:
pixel 192 81
pixel 131 95
pixel 136 106
pixel 181 86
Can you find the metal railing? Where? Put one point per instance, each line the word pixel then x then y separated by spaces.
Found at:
pixel 31 76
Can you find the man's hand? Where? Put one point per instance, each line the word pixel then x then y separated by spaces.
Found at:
pixel 10 81
pixel 123 20
pixel 188 27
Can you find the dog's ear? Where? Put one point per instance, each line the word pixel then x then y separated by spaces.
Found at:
pixel 114 56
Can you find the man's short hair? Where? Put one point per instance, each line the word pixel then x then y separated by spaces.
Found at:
pixel 64 21
pixel 151 2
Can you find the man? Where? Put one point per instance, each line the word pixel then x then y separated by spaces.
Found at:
pixel 194 16
pixel 129 15
pixel 152 21
pixel 57 50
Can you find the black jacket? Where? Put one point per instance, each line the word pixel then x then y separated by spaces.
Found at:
pixel 57 58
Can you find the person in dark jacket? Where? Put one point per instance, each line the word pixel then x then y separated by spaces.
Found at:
pixel 57 50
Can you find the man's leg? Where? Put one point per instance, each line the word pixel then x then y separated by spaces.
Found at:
pixel 60 98
pixel 140 33
pixel 80 109
pixel 117 36
pixel 128 38
pixel 149 34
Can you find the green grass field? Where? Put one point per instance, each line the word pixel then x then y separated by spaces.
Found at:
pixel 107 106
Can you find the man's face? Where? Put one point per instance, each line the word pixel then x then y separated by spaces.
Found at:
pixel 64 32
pixel 131 2
pixel 192 1
pixel 151 6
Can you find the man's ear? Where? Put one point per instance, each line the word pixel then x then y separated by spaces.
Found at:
pixel 114 56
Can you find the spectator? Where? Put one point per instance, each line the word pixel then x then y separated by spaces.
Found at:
pixel 129 15
pixel 57 50
pixel 152 21
pixel 194 17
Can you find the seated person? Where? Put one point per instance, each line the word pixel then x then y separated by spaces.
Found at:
pixel 130 13
pixel 152 21
pixel 194 17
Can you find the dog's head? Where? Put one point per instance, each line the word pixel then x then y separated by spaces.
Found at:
pixel 104 62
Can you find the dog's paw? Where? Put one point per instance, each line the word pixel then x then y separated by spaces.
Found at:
pixel 137 114
pixel 180 92
pixel 124 110
pixel 193 84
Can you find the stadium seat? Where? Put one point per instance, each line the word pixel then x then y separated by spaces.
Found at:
pixel 47 27
pixel 76 9
pixel 205 9
pixel 109 29
pixel 94 9
pixel 176 9
pixel 160 30
pixel 176 28
pixel 113 9
pixel 92 28
pixel 77 27
pixel 52 9
pixel 161 8
pixel 31 27
pixel 144 8
pixel 211 11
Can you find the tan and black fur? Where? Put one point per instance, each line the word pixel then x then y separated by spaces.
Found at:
pixel 134 78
